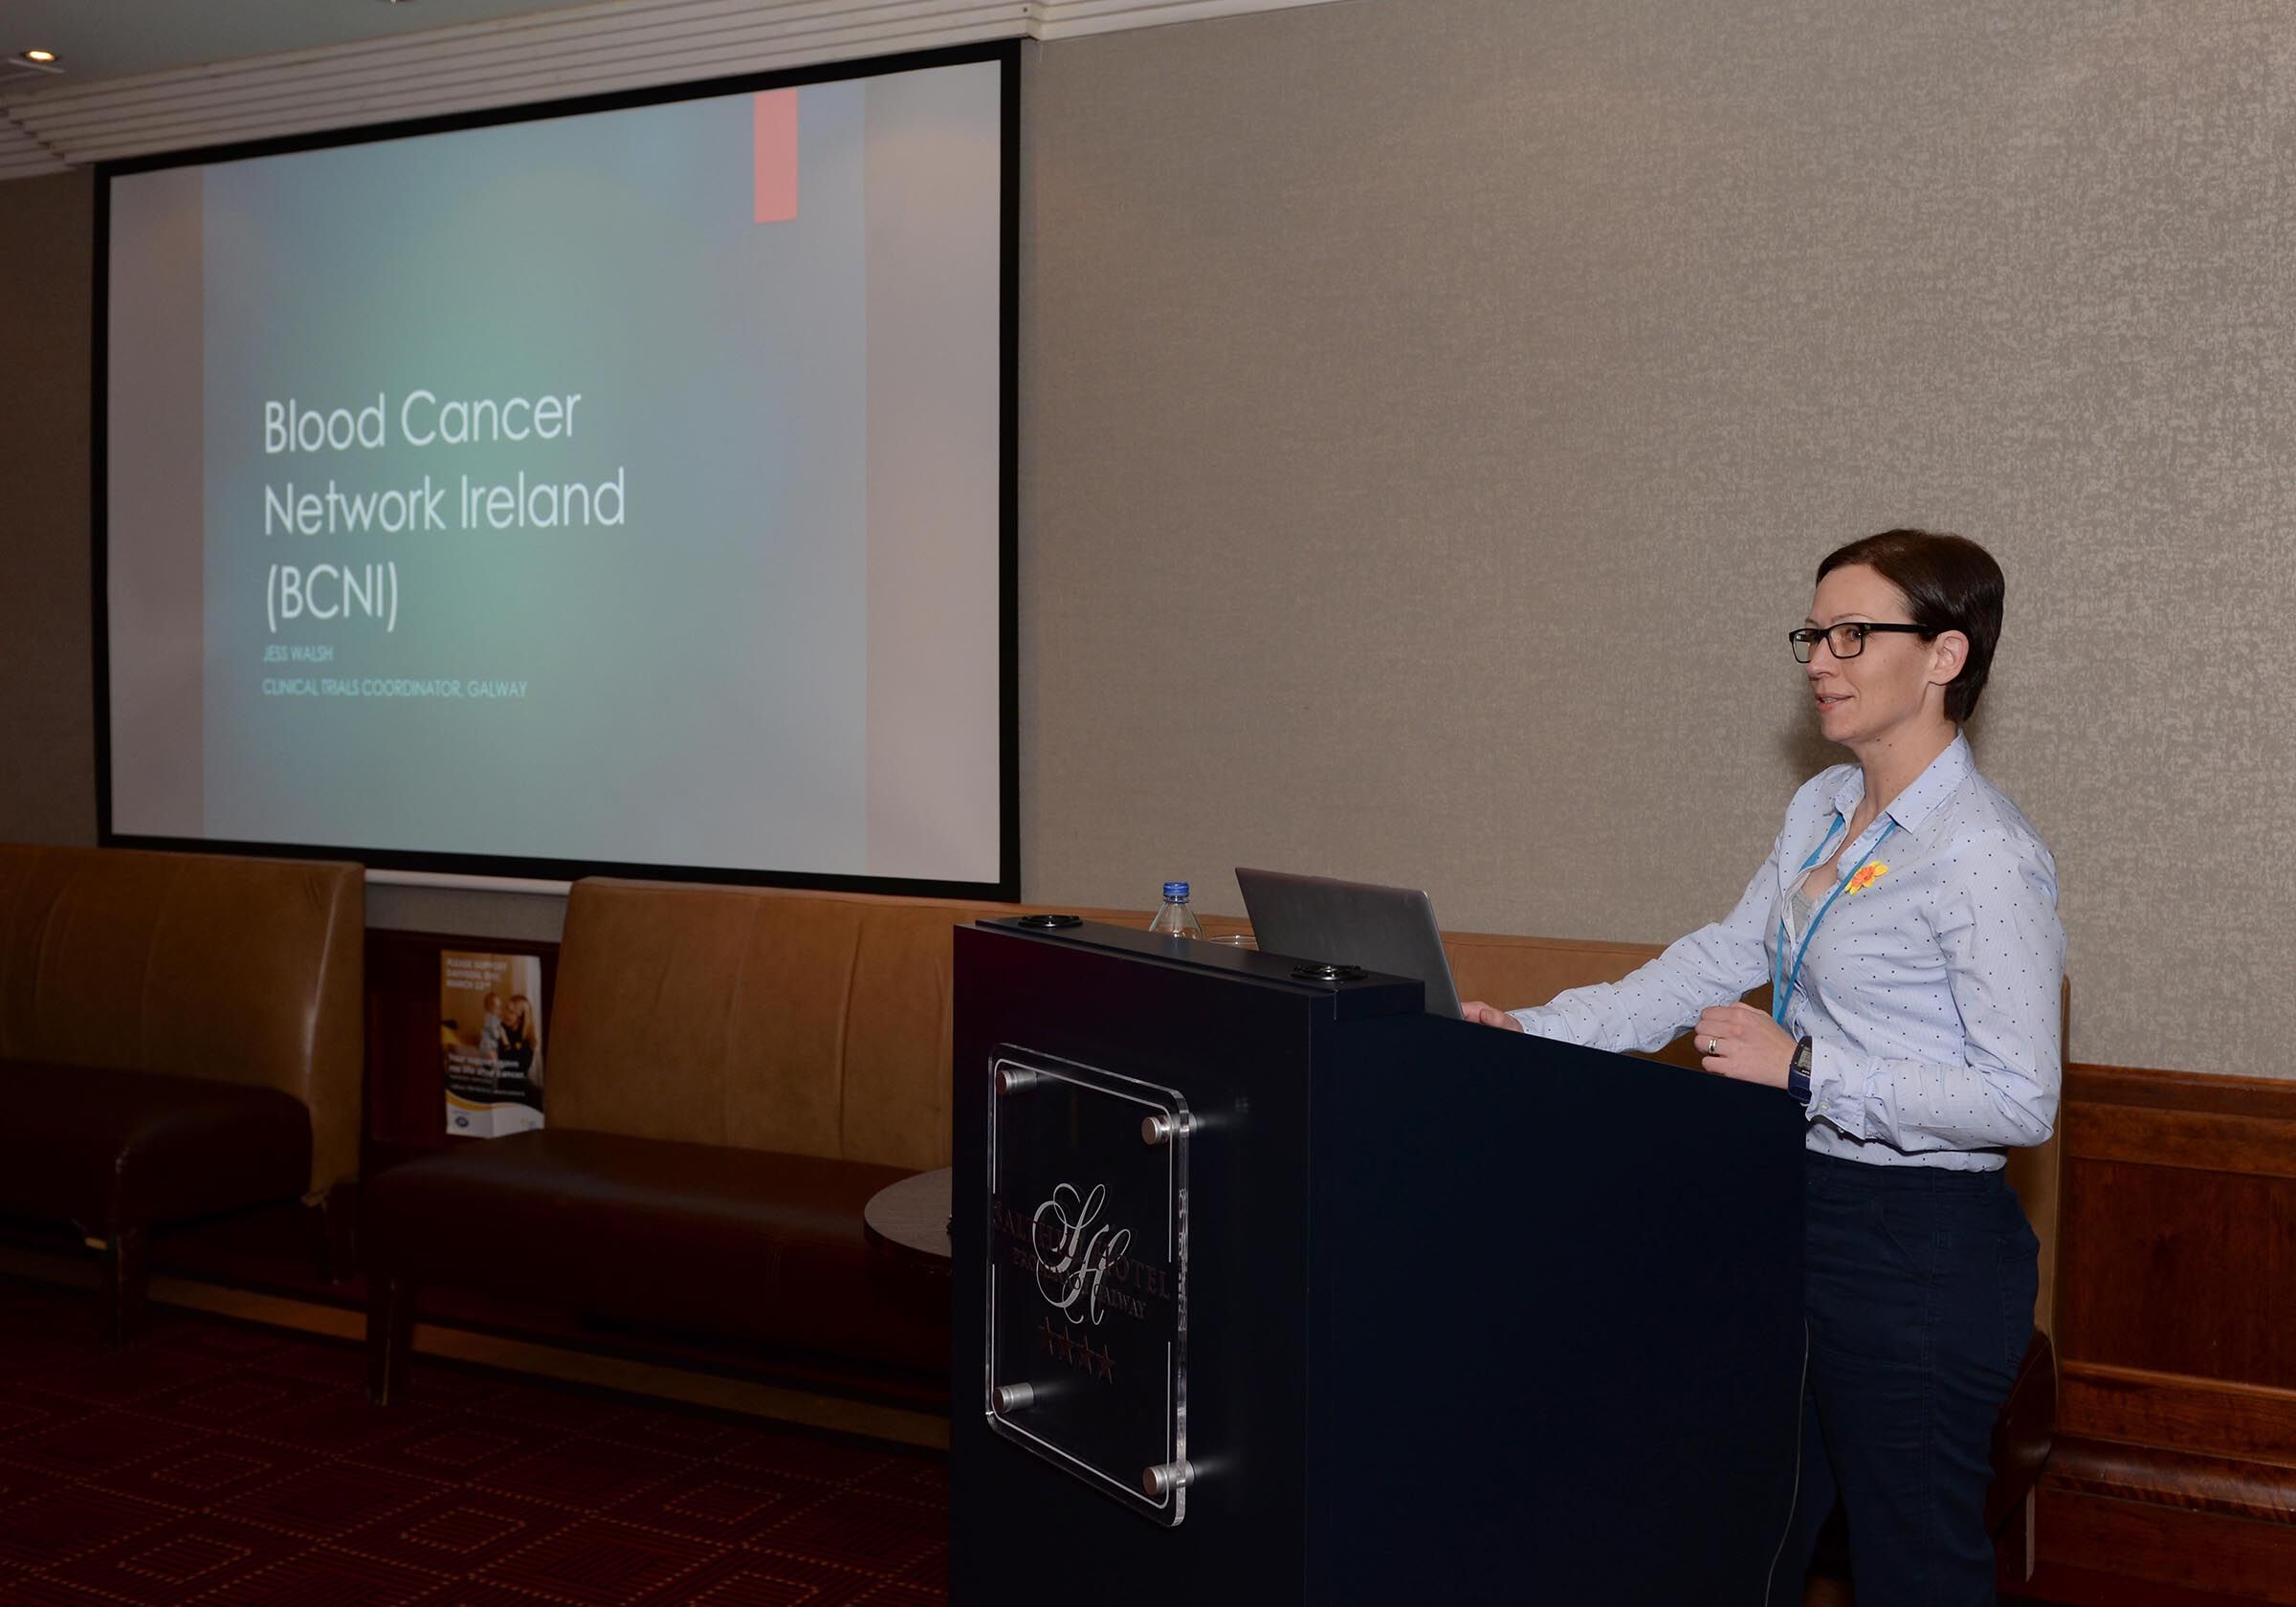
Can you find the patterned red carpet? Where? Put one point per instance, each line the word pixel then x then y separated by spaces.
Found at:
pixel 236 1466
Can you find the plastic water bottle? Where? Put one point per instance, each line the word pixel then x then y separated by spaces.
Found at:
pixel 1176 919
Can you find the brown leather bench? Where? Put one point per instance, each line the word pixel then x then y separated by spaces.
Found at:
pixel 734 1074
pixel 179 1037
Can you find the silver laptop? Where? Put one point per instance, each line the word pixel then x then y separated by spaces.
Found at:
pixel 1351 923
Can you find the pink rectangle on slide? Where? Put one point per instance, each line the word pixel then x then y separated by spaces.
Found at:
pixel 773 123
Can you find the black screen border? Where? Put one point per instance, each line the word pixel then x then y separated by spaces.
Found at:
pixel 1007 55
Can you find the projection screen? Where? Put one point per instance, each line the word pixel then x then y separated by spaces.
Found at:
pixel 619 486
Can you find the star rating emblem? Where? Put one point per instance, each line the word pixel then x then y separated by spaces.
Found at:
pixel 1059 1343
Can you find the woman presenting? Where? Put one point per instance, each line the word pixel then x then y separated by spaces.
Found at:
pixel 1907 923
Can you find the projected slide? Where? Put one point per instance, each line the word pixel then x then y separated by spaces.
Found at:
pixel 619 487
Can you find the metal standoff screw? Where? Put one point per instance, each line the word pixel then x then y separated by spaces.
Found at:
pixel 1014 1079
pixel 1164 1129
pixel 1014 1397
pixel 1165 1477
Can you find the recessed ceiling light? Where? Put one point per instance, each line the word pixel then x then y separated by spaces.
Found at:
pixel 39 56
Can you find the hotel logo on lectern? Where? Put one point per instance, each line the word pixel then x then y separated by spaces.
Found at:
pixel 1077 1261
pixel 1088 1231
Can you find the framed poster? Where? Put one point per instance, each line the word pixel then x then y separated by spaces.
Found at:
pixel 489 1036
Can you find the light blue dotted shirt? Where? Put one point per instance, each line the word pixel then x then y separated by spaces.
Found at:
pixel 1930 995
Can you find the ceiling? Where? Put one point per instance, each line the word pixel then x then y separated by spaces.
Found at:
pixel 120 38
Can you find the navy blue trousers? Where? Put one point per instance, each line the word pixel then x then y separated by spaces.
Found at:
pixel 1918 1286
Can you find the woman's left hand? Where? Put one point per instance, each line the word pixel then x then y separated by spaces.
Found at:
pixel 1741 1042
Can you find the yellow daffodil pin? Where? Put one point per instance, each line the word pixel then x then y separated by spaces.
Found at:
pixel 1866 876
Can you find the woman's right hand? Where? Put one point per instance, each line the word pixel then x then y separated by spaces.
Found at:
pixel 1487 1014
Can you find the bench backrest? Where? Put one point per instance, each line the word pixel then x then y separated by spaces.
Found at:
pixel 803 1022
pixel 202 965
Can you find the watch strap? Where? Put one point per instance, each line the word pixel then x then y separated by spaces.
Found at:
pixel 1798 1074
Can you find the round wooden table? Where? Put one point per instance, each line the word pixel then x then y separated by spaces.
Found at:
pixel 908 1222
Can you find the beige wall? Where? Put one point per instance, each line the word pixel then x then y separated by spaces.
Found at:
pixel 47 676
pixel 1378 356
pixel 1435 411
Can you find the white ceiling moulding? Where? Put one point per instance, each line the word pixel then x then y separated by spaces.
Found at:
pixel 589 50
pixel 21 155
pixel 1068 19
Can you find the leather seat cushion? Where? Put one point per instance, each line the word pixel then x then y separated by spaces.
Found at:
pixel 695 1235
pixel 111 1149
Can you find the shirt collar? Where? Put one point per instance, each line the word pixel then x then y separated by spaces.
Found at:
pixel 1919 801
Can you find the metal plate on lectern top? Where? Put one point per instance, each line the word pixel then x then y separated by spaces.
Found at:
pixel 1088 1203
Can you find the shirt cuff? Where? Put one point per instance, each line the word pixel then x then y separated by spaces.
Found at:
pixel 1542 1021
pixel 1832 1097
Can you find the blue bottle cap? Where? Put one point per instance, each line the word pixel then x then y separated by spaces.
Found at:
pixel 1175 893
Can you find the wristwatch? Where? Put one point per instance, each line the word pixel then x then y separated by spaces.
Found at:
pixel 1798 1074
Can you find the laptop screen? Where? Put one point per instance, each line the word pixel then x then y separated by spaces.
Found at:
pixel 1351 923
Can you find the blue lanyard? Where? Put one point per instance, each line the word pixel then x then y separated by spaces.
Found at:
pixel 1781 989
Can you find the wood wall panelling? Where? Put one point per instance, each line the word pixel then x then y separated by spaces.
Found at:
pixel 2268 1098
pixel 2180 1270
pixel 2142 1542
pixel 2193 1140
pixel 2209 1415
pixel 2186 1481
pixel 2178 1240
pixel 2093 1586
pixel 2175 1474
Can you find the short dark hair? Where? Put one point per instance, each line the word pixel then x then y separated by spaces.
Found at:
pixel 1950 584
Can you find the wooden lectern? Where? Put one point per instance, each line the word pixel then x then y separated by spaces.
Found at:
pixel 1272 1287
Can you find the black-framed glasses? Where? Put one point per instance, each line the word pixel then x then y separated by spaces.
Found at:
pixel 1847 639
